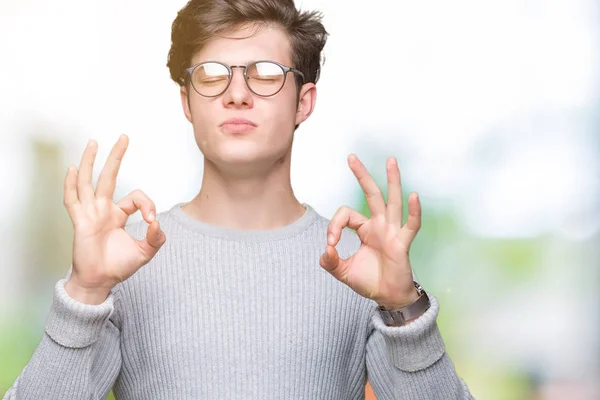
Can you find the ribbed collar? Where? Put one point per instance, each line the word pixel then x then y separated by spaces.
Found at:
pixel 248 235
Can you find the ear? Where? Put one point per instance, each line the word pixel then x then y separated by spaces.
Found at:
pixel 306 102
pixel 185 103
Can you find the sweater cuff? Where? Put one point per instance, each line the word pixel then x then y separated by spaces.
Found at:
pixel 415 346
pixel 74 324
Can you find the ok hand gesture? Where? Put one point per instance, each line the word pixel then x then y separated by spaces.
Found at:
pixel 380 270
pixel 104 254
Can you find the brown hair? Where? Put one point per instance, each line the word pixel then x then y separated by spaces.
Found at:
pixel 201 20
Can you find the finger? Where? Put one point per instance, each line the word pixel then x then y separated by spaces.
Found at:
pixel 70 199
pixel 330 261
pixel 368 185
pixel 394 203
pixel 108 177
pixel 85 189
pixel 153 241
pixel 70 188
pixel 343 217
pixel 138 200
pixel 413 223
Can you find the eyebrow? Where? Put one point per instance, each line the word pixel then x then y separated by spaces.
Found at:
pixel 246 62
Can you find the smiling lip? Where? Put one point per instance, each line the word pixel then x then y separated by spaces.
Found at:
pixel 237 126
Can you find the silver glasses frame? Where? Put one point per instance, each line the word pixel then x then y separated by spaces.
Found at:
pixel 284 68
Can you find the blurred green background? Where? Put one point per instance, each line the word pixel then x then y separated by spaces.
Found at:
pixel 492 109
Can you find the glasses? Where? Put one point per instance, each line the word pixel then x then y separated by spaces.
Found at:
pixel 263 78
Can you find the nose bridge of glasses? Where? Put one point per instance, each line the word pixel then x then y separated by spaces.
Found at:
pixel 241 75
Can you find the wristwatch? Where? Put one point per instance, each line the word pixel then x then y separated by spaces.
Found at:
pixel 410 312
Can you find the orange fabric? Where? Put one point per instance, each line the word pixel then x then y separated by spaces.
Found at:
pixel 369 394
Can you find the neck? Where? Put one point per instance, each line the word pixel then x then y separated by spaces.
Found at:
pixel 258 202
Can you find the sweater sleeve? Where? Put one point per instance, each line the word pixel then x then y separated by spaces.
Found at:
pixel 78 356
pixel 410 362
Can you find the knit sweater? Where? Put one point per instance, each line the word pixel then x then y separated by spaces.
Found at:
pixel 220 313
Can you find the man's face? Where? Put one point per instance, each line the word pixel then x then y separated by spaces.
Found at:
pixel 269 136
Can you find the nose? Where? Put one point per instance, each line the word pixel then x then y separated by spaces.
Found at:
pixel 238 94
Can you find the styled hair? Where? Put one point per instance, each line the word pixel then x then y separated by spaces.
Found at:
pixel 201 20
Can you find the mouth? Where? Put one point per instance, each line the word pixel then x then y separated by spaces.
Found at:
pixel 237 126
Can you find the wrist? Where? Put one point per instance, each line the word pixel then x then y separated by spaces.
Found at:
pixel 91 296
pixel 404 315
pixel 404 301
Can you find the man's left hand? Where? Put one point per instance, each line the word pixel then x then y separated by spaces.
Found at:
pixel 380 270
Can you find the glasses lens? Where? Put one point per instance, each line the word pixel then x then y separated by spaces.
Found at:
pixel 265 78
pixel 210 79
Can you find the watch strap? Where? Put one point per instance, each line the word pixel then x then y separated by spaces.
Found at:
pixel 410 312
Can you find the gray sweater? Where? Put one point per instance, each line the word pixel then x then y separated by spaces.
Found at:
pixel 229 314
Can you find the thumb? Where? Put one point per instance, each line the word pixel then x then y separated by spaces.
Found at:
pixel 330 261
pixel 154 240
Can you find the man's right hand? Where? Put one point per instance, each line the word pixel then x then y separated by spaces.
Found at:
pixel 104 254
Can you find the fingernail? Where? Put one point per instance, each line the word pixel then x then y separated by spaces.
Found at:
pixel 330 239
pixel 151 216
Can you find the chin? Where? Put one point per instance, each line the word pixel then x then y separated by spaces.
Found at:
pixel 246 151
pixel 246 156
pixel 240 155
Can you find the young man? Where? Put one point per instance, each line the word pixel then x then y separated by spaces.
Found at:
pixel 244 292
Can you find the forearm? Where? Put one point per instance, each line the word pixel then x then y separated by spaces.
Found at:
pixel 410 362
pixel 438 381
pixel 57 372
pixel 78 356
